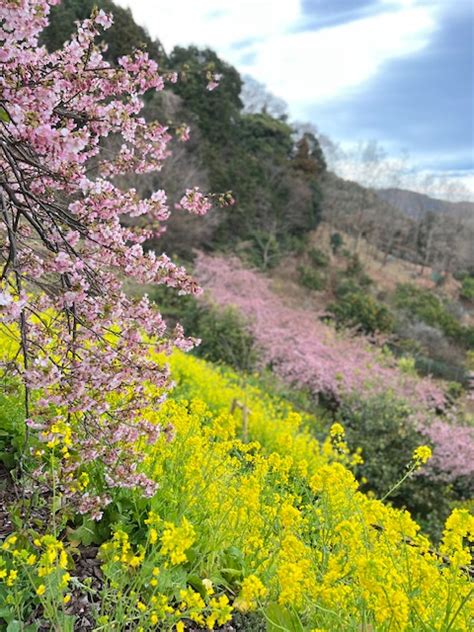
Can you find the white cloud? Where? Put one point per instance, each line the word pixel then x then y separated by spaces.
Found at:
pixel 265 38
pixel 315 66
pixel 215 23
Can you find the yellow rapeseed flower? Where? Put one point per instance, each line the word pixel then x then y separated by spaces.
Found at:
pixel 175 540
pixel 252 589
pixel 336 430
pixel 422 454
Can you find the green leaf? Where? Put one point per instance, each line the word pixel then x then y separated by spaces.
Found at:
pixel 66 622
pixel 87 533
pixel 14 626
pixel 281 619
pixel 196 582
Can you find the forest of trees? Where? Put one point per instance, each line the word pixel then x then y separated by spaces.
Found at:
pixel 242 139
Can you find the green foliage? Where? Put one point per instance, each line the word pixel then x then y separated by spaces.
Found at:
pixel 214 112
pixel 12 423
pixel 264 135
pixel 224 336
pixel 360 310
pixel 346 286
pixel 280 618
pixel 470 360
pixel 355 306
pixel 381 428
pixel 454 390
pixel 308 156
pixel 263 250
pixel 467 289
pixel 122 38
pixel 310 278
pixel 426 306
pixel 440 369
pixel 407 365
pixel 336 241
pixel 277 200
pixel 318 258
pixel 355 271
pixel 274 204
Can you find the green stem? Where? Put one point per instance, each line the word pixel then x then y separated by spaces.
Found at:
pixel 400 482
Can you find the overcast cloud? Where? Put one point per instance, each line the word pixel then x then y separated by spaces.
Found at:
pixel 398 71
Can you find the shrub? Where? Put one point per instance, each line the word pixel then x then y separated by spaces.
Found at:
pixel 224 335
pixel 381 426
pixel 362 311
pixel 310 278
pixel 354 265
pixel 467 288
pixel 336 241
pixel 318 258
pixel 453 373
pixel 425 305
pixel 455 390
pixel 345 285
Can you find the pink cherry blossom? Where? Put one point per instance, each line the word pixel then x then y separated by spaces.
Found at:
pixel 83 345
pixel 309 354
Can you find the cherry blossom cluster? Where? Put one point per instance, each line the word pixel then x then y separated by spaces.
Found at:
pixel 83 346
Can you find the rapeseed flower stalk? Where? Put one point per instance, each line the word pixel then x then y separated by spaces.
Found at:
pixel 421 455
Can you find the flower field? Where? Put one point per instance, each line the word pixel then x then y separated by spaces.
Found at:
pixel 141 488
pixel 252 515
pixel 306 353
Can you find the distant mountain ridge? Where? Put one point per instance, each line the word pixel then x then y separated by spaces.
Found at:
pixel 417 205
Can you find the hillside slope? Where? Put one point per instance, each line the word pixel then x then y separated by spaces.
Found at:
pixel 417 205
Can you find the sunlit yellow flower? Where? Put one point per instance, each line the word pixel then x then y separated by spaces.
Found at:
pixel 422 454
pixel 336 430
pixel 176 540
pixel 252 590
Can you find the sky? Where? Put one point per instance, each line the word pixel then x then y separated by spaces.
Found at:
pixel 396 71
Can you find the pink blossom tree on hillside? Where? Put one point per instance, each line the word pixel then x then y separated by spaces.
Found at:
pixel 309 354
pixel 80 344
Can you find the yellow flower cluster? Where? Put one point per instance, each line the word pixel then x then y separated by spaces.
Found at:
pixel 253 513
pixel 267 500
pixel 119 549
pixel 422 454
pixel 176 540
pixel 252 590
pixel 43 563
